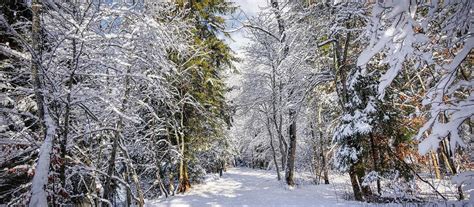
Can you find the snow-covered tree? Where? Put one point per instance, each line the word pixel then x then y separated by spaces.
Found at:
pixel 281 57
pixel 435 36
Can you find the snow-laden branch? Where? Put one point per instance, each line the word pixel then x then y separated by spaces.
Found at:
pixel 40 179
pixel 412 39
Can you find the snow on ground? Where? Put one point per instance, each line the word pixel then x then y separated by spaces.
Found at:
pixel 245 187
pixel 249 187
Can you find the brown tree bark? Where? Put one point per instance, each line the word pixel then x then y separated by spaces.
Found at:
pixel 36 62
pixel 355 184
pixel 447 155
pixel 184 185
pixel 356 173
pixel 434 160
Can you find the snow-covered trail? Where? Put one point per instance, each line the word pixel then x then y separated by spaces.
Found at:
pixel 248 187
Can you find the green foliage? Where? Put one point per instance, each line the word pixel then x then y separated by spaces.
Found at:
pixel 208 13
pixel 361 116
pixel 202 78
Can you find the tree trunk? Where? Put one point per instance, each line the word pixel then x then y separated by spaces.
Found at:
pixel 171 187
pixel 358 196
pixel 272 147
pixel 323 164
pixel 356 173
pixel 449 155
pixel 361 174
pixel 110 170
pixel 73 66
pixel 374 160
pixel 446 153
pixel 184 184
pixel 316 160
pixel 159 182
pixel 283 146
pixel 126 178
pixel 40 179
pixel 131 170
pixel 324 167
pixel 220 171
pixel 47 127
pixel 292 150
pixel 108 190
pixel 36 61
pixel 290 159
pixel 434 159
pixel 281 31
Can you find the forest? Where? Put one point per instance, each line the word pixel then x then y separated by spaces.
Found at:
pixel 236 103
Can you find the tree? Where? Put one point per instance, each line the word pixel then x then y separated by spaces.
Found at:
pixel 201 122
pixel 281 65
pixel 358 123
pixel 103 75
pixel 48 128
pixel 427 40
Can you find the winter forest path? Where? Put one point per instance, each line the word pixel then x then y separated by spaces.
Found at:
pixel 250 187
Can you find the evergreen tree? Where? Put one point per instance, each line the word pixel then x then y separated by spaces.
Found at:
pixel 357 125
pixel 205 122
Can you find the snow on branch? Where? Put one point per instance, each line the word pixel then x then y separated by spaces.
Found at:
pixel 40 179
pixel 412 41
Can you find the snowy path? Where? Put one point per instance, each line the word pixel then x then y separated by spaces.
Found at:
pixel 247 187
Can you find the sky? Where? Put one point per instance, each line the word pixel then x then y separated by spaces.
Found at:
pixel 250 8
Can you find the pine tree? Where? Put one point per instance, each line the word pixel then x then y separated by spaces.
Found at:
pixel 203 123
pixel 356 127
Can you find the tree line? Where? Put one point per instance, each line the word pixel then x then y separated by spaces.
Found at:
pixel 381 91
pixel 111 102
pixel 114 102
